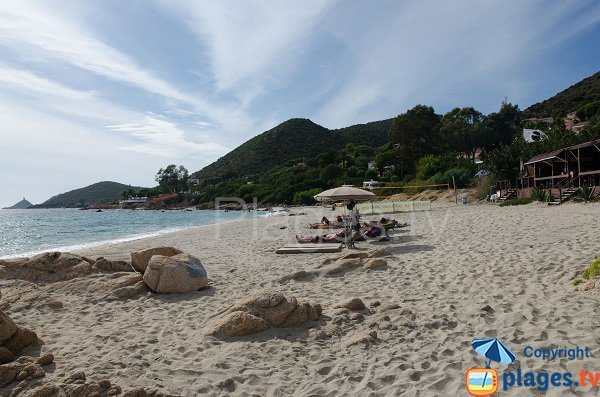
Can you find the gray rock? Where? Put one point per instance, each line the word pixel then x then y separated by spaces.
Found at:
pixel 176 274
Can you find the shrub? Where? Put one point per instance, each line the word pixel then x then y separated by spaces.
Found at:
pixel 539 194
pixel 371 174
pixel 306 197
pixel 592 271
pixel 484 185
pixel 462 176
pixel 428 166
pixel 522 201
pixel 587 193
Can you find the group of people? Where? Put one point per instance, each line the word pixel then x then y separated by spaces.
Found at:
pixel 363 232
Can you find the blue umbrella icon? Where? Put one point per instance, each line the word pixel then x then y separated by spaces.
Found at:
pixel 494 350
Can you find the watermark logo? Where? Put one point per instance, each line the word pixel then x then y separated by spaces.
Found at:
pixel 484 381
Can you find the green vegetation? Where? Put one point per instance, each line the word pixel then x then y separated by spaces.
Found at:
pixel 172 179
pixel 593 271
pixel 577 281
pixel 291 162
pixel 539 194
pixel 521 201
pixel 570 100
pixel 294 139
pixel 587 194
pixel 101 192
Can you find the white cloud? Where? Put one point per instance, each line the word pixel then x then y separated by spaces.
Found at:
pixel 251 43
pixel 161 137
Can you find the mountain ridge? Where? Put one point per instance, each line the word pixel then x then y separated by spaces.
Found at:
pixel 291 140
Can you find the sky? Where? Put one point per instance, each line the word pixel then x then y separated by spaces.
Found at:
pixel 95 90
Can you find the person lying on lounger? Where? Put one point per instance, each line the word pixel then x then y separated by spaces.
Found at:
pixel 326 224
pixel 366 232
pixel 328 238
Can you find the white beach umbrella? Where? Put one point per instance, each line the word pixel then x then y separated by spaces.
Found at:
pixel 345 193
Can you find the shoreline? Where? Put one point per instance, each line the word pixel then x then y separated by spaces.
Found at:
pixel 118 240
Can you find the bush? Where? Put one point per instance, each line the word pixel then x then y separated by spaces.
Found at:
pixel 539 194
pixel 587 193
pixel 462 176
pixel 306 197
pixel 522 201
pixel 428 166
pixel 371 174
pixel 484 185
pixel 330 172
pixel 592 271
pixel 353 172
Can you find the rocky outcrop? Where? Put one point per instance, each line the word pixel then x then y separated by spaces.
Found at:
pixel 140 259
pixel 47 267
pixel 175 274
pixel 119 284
pixel 14 338
pixel 262 310
pixel 112 266
pixel 51 267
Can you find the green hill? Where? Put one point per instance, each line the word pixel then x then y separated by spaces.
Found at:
pixel 20 205
pixel 291 140
pixel 569 100
pixel 101 192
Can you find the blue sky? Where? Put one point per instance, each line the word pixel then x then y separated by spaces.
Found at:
pixel 114 90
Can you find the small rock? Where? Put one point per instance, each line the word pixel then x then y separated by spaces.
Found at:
pixel 377 264
pixel 487 309
pixel 389 306
pixel 357 317
pixel 45 359
pixel 343 266
pixel 77 377
pixel 375 304
pixel 46 391
pixel 351 304
pixel 380 253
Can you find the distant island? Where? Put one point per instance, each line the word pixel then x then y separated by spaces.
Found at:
pixel 21 205
pixel 105 192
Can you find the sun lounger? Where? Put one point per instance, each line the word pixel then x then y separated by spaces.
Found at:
pixel 309 248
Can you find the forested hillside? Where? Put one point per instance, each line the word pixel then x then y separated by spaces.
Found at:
pixel 291 140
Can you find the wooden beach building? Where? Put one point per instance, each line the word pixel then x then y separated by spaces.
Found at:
pixel 563 171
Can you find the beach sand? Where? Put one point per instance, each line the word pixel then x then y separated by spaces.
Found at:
pixel 458 273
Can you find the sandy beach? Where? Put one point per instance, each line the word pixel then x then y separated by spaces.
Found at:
pixel 457 273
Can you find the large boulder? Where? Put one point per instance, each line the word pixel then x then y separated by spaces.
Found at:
pixel 259 311
pixel 175 274
pixel 140 259
pixel 13 337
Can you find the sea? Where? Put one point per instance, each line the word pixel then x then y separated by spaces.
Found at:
pixel 28 232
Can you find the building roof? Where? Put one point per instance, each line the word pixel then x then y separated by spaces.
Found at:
pixel 555 153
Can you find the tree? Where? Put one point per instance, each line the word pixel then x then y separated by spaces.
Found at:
pixel 464 131
pixel 172 179
pixel 330 172
pixel 416 130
